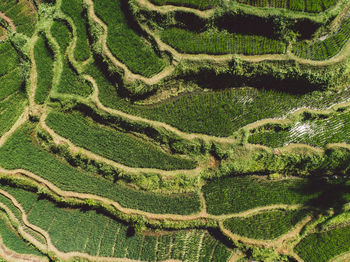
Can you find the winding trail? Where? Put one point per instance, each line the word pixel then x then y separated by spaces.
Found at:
pixel 33 79
pixel 129 76
pixel 20 121
pixel 131 170
pixel 188 136
pixel 164 9
pixel 12 256
pixel 278 244
pixel 129 211
pixel 9 21
pixel 49 247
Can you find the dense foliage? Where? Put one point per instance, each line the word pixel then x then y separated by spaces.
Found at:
pixel 74 9
pixel 125 43
pixel 220 43
pixel 327 48
pixel 267 225
pixel 44 64
pixel 324 246
pixel 316 132
pixel 118 146
pixel 235 194
pixel 69 178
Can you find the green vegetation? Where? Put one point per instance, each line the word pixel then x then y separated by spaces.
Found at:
pixel 324 246
pixel 70 82
pixel 324 49
pixel 68 178
pixel 22 14
pixel 220 43
pixel 199 4
pixel 233 108
pixel 269 225
pixel 118 146
pixel 156 169
pixel 125 43
pixel 312 6
pixel 316 132
pixel 108 237
pixel 12 240
pixel 44 64
pixel 236 194
pixel 74 9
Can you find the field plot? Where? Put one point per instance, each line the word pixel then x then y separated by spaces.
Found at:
pixel 48 167
pixel 267 225
pixel 233 108
pixel 22 14
pixel 139 57
pixel 237 194
pixel 324 246
pixel 44 60
pixel 220 43
pixel 327 48
pixel 139 132
pixel 312 6
pixel 70 81
pixel 118 146
pixel 74 9
pixel 319 132
pixel 12 94
pixel 108 237
pixel 12 240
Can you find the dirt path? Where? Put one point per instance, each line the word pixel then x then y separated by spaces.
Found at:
pixel 188 136
pixel 71 48
pixel 129 211
pixel 129 76
pixel 33 73
pixel 163 9
pixel 131 170
pixel 341 258
pixel 9 21
pixel 50 247
pixel 279 244
pixel 12 256
pixel 20 121
pixel 3 33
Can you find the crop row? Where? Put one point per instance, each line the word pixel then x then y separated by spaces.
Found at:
pixel 198 4
pixel 70 81
pixel 319 132
pixel 12 240
pixel 312 6
pixel 324 246
pixel 233 108
pixel 74 9
pixel 22 15
pixel 235 194
pixel 220 43
pixel 12 94
pixel 269 225
pixel 68 178
pixel 115 145
pixel 44 64
pixel 324 49
pixel 125 44
pixel 111 238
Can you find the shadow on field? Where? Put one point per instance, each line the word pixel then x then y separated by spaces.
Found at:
pixel 332 192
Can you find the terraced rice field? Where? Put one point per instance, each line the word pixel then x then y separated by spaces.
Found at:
pixel 148 131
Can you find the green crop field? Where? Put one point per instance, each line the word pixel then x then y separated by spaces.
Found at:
pixel 195 131
pixel 267 225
